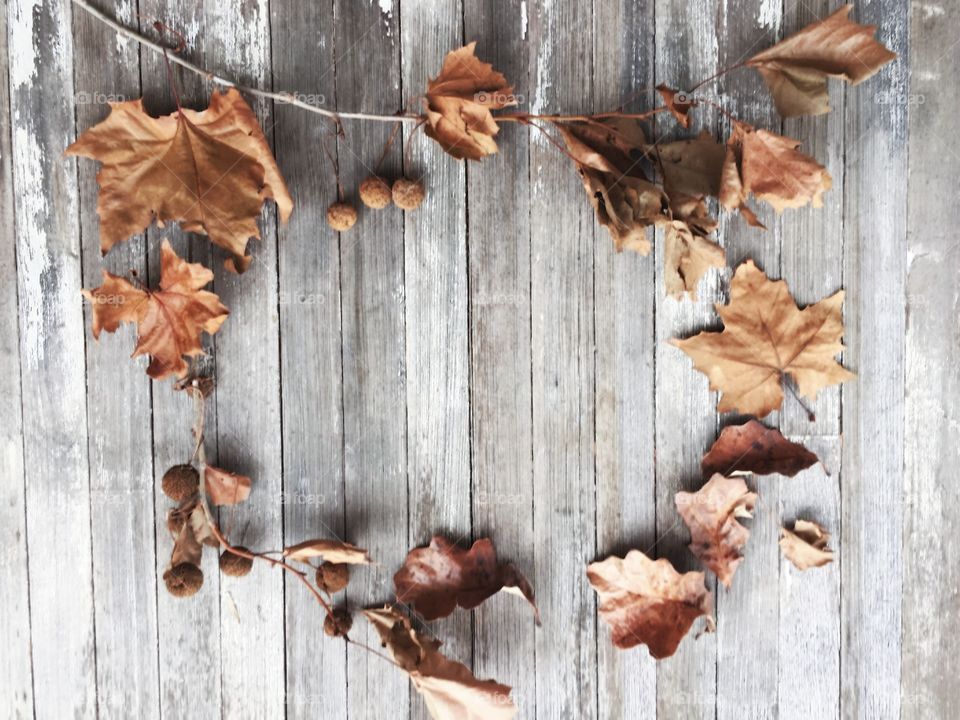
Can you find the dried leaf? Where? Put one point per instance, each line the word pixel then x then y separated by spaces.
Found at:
pixel 332 551
pixel 766 338
pixel 769 166
pixel 224 487
pixel 437 578
pixel 711 513
pixel 692 167
pixel 450 690
pixel 169 320
pixel 458 104
pixel 187 548
pixel 806 545
pixel 609 156
pixel 210 171
pixel 687 253
pixel 648 602
pixel 677 103
pixel 754 448
pixel 796 68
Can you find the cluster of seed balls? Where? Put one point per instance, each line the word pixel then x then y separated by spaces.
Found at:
pixel 180 483
pixel 376 193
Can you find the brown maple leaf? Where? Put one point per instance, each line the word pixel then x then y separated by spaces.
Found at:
pixel 458 104
pixel 711 514
pixel 754 448
pixel 769 166
pixel 210 171
pixel 449 689
pixel 648 602
pixel 224 487
pixel 438 578
pixel 609 155
pixel 169 320
pixel 767 338
pixel 332 551
pixel 796 68
pixel 806 545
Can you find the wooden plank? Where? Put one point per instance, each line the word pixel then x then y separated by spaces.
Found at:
pixel 310 345
pixel 435 291
pixel 16 671
pixel 874 277
pixel 686 420
pixel 52 360
pixel 747 681
pixel 237 43
pixel 932 416
pixel 106 67
pixel 188 630
pixel 812 265
pixel 372 318
pixel 498 212
pixel 624 312
pixel 562 336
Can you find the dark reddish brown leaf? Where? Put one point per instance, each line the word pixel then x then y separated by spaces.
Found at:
pixel 438 578
pixel 754 448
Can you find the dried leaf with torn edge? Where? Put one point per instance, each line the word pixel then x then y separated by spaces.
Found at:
pixel 224 487
pixel 767 338
pixel 712 514
pixel 449 689
pixel 438 578
pixel 806 545
pixel 647 602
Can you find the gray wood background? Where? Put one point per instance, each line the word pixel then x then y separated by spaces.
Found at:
pixel 486 365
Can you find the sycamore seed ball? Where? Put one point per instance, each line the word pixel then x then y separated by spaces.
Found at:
pixel 375 193
pixel 341 216
pixel 235 565
pixel 338 624
pixel 183 580
pixel 333 577
pixel 180 482
pixel 407 194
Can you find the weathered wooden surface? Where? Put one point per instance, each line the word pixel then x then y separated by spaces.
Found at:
pixel 486 365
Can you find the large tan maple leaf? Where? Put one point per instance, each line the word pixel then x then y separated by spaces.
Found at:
pixel 458 104
pixel 796 68
pixel 450 690
pixel 711 514
pixel 766 338
pixel 169 320
pixel 210 171
pixel 648 602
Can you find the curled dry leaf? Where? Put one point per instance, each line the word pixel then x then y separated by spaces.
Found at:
pixel 648 602
pixel 332 551
pixel 609 156
pixel 458 104
pixel 194 533
pixel 210 171
pixel 754 448
pixel 450 690
pixel 766 338
pixel 796 68
pixel 677 103
pixel 169 320
pixel 711 514
pixel 770 167
pixel 437 578
pixel 224 487
pixel 687 253
pixel 806 545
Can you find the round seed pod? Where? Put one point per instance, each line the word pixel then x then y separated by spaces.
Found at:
pixel 408 194
pixel 338 624
pixel 180 482
pixel 235 565
pixel 333 577
pixel 183 580
pixel 341 216
pixel 375 193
